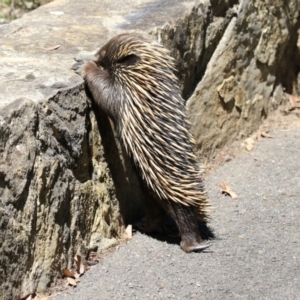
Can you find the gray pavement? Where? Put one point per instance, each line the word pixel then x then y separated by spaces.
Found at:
pixel 256 253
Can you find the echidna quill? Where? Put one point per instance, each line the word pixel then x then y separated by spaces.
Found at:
pixel 133 81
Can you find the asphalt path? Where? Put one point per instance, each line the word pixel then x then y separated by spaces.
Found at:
pixel 256 252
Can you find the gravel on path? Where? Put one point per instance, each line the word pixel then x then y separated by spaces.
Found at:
pixel 256 253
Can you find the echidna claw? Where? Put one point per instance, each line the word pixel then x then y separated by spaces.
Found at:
pixel 195 248
pixel 201 247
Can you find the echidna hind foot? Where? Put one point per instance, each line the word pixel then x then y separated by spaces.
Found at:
pixel 191 240
pixel 185 218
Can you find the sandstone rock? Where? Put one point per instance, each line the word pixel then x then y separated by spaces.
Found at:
pixel 245 79
pixel 65 184
pixel 56 193
pixel 193 39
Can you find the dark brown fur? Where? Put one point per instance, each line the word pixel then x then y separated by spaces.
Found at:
pixel 133 81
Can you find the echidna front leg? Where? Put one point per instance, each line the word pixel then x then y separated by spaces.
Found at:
pixel 186 220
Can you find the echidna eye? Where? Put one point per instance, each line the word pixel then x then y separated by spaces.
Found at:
pixel 100 58
pixel 130 59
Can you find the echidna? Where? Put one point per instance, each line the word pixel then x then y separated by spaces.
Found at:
pixel 133 81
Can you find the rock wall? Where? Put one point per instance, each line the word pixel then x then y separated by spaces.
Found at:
pixel 57 195
pixel 58 189
pixel 249 55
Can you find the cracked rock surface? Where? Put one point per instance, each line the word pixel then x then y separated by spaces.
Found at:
pixel 65 184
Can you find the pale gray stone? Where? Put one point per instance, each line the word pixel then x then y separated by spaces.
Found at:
pixel 65 184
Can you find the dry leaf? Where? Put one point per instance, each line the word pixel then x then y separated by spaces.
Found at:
pixel 52 48
pixel 81 269
pixel 79 265
pixel 32 296
pixel 71 281
pixel 41 297
pixel 249 144
pixel 93 254
pixel 227 190
pixel 258 135
pixel 266 135
pixel 294 101
pixel 128 232
pixel 68 273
